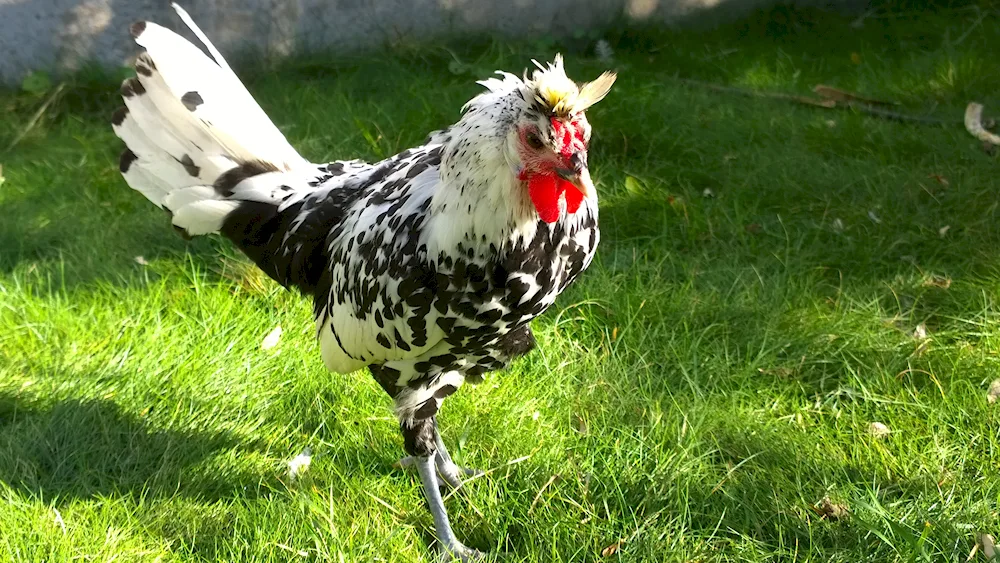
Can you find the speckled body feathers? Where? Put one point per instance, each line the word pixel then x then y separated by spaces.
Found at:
pixel 426 267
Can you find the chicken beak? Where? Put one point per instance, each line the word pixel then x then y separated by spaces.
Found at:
pixel 578 175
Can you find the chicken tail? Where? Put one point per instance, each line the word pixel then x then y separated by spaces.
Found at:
pixel 193 131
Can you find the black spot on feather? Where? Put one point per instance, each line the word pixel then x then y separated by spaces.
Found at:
pixel 189 166
pixel 400 342
pixel 444 391
pixel 428 409
pixel 126 160
pixel 118 117
pixel 418 437
pixel 225 184
pixel 132 87
pixel 136 29
pixel 192 100
pixel 387 378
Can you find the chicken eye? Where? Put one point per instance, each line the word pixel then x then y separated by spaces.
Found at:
pixel 534 141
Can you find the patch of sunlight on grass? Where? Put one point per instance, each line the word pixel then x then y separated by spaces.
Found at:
pixel 770 76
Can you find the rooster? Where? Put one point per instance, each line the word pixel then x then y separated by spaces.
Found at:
pixel 426 267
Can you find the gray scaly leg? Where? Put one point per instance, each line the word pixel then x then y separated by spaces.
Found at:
pixel 419 440
pixel 452 548
pixel 447 469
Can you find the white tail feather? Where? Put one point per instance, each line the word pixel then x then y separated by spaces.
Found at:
pixel 184 196
pixel 203 38
pixel 147 183
pixel 203 217
pixel 189 120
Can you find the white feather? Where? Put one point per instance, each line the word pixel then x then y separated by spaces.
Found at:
pixel 191 121
pixel 203 217
pixel 152 123
pixel 186 196
pixel 182 13
pixel 228 110
pixel 147 184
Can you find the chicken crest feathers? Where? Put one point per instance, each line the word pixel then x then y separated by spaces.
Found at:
pixel 560 95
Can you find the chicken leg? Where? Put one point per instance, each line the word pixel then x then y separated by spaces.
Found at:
pixel 452 549
pixel 450 473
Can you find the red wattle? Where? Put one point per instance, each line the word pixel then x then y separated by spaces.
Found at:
pixel 574 197
pixel 545 189
pixel 544 192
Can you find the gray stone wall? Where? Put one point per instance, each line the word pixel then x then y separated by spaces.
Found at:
pixel 60 35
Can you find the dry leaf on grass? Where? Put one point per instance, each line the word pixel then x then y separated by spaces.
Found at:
pixel 141 261
pixel 920 333
pixel 779 372
pixel 832 510
pixel 988 545
pixel 937 281
pixel 878 430
pixel 993 394
pixel 272 339
pixel 943 231
pixel 611 549
pixel 940 179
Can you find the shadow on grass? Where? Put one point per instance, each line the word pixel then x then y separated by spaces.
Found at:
pixel 85 235
pixel 84 448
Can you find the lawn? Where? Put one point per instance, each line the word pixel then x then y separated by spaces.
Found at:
pixel 773 279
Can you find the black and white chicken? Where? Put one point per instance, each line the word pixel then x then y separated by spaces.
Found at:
pixel 426 267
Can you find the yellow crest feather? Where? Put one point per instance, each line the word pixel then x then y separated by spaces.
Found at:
pixel 561 95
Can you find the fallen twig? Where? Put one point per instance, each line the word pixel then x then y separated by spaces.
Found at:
pixel 540 491
pixel 838 95
pixel 903 117
pixel 838 99
pixel 759 93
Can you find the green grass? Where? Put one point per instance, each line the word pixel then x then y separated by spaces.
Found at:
pixel 710 380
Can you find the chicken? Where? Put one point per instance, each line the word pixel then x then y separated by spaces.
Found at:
pixel 426 267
